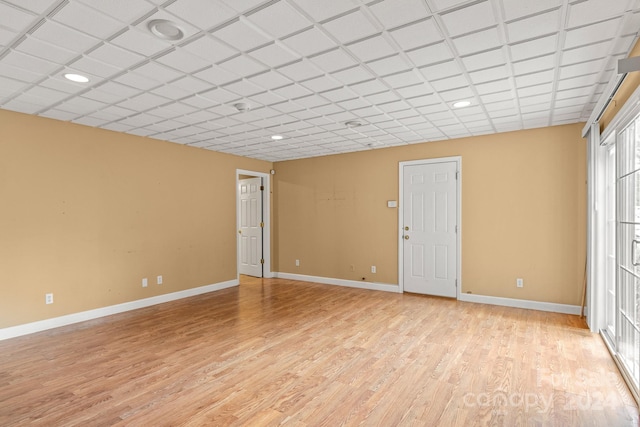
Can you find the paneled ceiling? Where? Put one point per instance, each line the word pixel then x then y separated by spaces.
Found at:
pixel 304 68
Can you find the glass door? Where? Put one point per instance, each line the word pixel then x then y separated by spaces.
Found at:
pixel 628 250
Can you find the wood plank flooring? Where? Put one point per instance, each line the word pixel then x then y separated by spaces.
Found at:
pixel 280 352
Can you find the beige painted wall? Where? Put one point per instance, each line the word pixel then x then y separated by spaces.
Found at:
pixel 523 213
pixel 87 213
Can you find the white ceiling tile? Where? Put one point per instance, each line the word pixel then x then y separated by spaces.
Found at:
pixel 116 56
pixel 495 86
pixel 381 98
pixel 431 54
pixel 137 81
pixel 87 20
pixel 488 74
pixel 415 90
pixel 588 80
pixel 582 68
pixel 573 93
pixel 535 90
pixel 292 91
pixel 60 35
pixel 244 88
pixel 350 27
pixel 59 115
pixel 320 11
pixel 122 10
pixel 535 26
pixel 204 14
pixel 86 65
pixel 534 48
pixel 216 75
pixel 449 83
pixel 241 36
pixel 279 19
pixel 312 101
pixel 340 94
pixel 631 24
pixel 371 48
pixel 418 34
pixel 421 101
pixel 48 96
pixel 587 12
pixel 484 60
pixel 270 80
pixel 390 65
pixel 170 92
pixel 274 55
pixel 585 53
pixel 37 6
pixel 20 74
pixel 22 104
pixel 143 102
pixel 368 87
pixel 211 50
pixel 309 42
pixel 544 98
pixel 242 66
pixel 354 104
pixel 41 49
pixel 592 33
pixel 514 9
pixel 28 62
pixel 321 83
pixel 15 19
pixel 140 42
pixel 301 70
pixel 10 86
pixel 402 79
pixel 157 72
pixel 536 64
pixel 478 42
pixel 440 71
pixel 535 78
pixel 333 60
pixel 571 102
pixel 497 96
pixel 266 98
pixel 469 19
pixel 6 36
pixel 392 13
pixel 352 75
pixel 183 61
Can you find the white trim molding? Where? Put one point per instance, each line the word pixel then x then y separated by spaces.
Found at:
pixel 56 322
pixel 373 286
pixel 521 303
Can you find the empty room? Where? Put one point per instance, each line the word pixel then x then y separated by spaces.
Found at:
pixel 319 212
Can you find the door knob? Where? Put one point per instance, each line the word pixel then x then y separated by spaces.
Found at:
pixel 406 228
pixel 239 231
pixel 406 237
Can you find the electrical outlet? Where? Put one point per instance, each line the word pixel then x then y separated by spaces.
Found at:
pixel 297 263
pixel 48 298
pixel 373 268
pixel 519 283
pixel 145 282
pixel 159 280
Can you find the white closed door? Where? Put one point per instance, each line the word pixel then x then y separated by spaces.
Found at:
pixel 429 228
pixel 250 232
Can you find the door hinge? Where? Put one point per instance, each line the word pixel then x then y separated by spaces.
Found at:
pixel 262 261
pixel 262 224
pixel 456 283
pixel 456 228
pixel 262 188
pixel 457 174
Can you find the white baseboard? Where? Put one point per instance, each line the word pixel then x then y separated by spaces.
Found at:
pixel 521 303
pixel 43 325
pixel 340 282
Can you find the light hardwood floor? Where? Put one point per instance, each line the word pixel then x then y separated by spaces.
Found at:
pixel 273 352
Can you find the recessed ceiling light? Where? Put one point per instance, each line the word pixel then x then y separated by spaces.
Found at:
pixel 76 78
pixel 164 29
pixel 352 124
pixel 277 137
pixel 461 104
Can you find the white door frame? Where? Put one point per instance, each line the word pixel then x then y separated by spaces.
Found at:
pixel 458 161
pixel 266 218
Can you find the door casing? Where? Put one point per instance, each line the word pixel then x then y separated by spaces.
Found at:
pixel 266 217
pixel 458 161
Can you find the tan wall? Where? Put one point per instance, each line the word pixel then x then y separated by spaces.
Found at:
pixel 523 213
pixel 87 213
pixel 626 89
